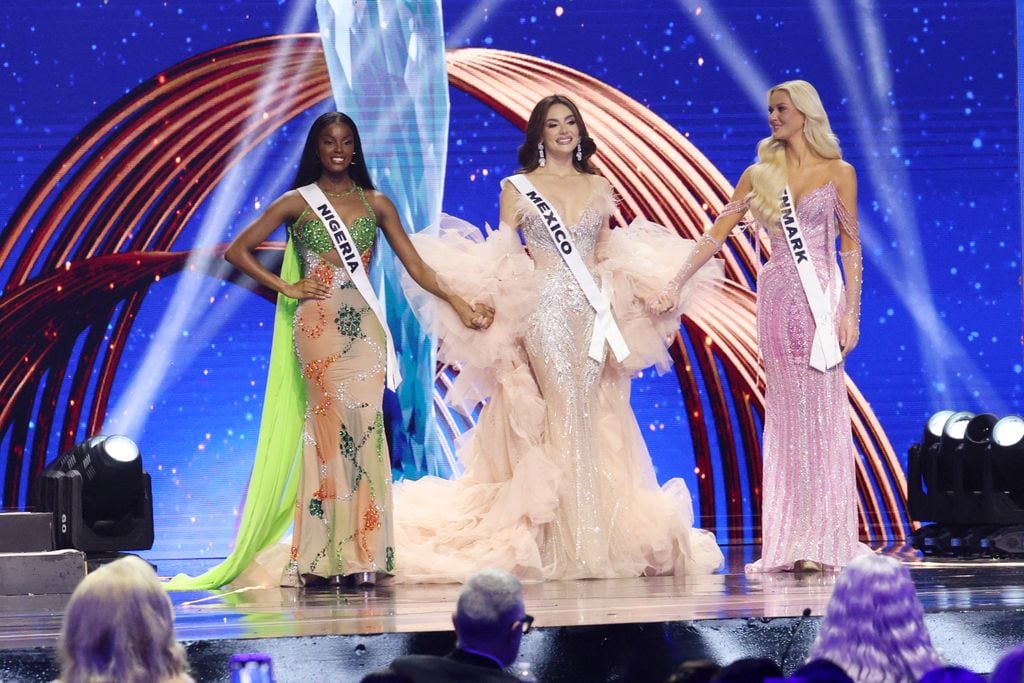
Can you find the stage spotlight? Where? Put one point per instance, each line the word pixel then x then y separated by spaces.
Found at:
pixel 1009 431
pixel 953 432
pixel 100 496
pixel 1008 455
pixel 933 428
pixel 921 469
pixel 977 437
pixel 956 424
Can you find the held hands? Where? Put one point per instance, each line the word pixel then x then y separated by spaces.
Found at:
pixel 307 289
pixel 849 333
pixel 476 317
pixel 662 302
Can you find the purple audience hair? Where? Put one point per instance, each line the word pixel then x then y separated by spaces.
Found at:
pixel 874 624
pixel 1010 668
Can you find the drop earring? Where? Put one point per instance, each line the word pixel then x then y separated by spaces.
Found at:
pixel 540 155
pixel 579 151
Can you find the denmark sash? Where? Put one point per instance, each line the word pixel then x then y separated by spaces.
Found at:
pixel 825 351
pixel 353 263
pixel 605 327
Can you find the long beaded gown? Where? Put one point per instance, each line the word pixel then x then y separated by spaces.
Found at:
pixel 809 505
pixel 558 483
pixel 342 514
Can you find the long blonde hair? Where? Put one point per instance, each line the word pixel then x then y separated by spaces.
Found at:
pixel 768 175
pixel 119 626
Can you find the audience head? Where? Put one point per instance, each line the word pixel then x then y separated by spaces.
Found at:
pixel 874 624
pixel 119 626
pixel 821 671
pixel 490 616
pixel 694 671
pixel 750 670
pixel 1010 668
pixel 952 674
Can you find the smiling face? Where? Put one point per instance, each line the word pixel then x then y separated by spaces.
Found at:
pixel 561 130
pixel 784 118
pixel 335 147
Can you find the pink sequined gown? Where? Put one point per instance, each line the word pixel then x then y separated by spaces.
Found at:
pixel 558 483
pixel 809 507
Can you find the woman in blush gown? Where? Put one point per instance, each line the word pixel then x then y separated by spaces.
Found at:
pixel 809 508
pixel 558 483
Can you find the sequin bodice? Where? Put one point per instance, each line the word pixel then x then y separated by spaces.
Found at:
pixel 313 240
pixel 584 236
pixel 817 213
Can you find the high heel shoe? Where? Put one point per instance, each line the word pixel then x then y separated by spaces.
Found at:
pixel 805 566
pixel 315 581
pixel 364 579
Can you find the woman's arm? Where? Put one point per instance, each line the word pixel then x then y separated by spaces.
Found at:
pixel 241 251
pixel 478 317
pixel 850 253
pixel 707 246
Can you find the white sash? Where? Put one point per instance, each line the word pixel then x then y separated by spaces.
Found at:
pixel 353 263
pixel 825 351
pixel 605 327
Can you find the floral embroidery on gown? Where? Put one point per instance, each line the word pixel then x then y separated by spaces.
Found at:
pixel 342 512
pixel 809 505
pixel 558 483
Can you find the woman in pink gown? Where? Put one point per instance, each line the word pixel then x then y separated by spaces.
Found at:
pixel 558 483
pixel 809 513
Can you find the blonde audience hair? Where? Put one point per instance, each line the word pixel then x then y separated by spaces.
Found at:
pixel 119 626
pixel 768 175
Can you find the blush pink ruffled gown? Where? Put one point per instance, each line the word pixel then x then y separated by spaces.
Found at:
pixel 558 483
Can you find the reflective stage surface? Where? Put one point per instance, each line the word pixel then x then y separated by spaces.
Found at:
pixel 627 629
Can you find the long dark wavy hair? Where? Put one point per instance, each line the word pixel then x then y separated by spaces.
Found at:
pixel 529 160
pixel 310 167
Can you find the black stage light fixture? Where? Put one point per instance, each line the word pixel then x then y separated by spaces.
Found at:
pixel 921 467
pixel 977 437
pixel 100 496
pixel 948 465
pixel 1007 456
pixel 933 428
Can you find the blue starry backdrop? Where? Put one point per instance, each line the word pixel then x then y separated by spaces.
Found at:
pixel 921 94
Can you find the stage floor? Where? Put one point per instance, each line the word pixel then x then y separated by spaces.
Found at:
pixel 974 612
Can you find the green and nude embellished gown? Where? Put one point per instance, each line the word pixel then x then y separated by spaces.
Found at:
pixel 343 519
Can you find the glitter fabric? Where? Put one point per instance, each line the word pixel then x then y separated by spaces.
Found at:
pixel 809 509
pixel 310 232
pixel 577 539
pixel 344 480
pixel 558 483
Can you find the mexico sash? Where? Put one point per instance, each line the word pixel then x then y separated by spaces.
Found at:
pixel 353 263
pixel 605 327
pixel 825 351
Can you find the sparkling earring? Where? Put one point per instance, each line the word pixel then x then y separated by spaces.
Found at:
pixel 540 155
pixel 579 151
pixel 352 161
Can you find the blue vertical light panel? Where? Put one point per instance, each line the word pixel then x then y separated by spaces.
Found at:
pixel 387 68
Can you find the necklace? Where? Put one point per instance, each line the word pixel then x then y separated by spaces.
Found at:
pixel 338 195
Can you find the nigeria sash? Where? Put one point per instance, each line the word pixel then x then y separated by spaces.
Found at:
pixel 352 262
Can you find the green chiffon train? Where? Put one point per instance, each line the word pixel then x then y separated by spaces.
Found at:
pixel 273 485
